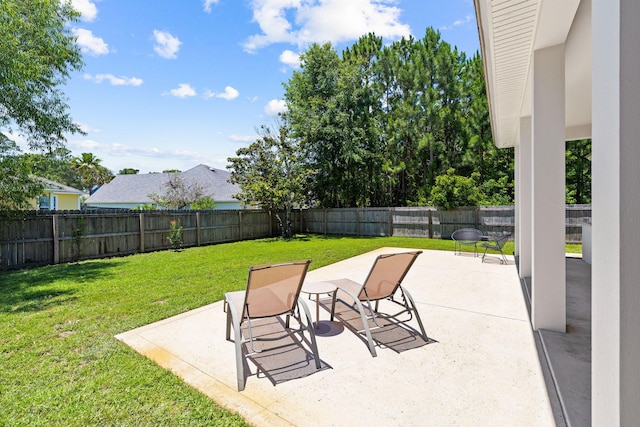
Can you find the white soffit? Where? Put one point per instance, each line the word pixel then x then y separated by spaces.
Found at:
pixel 509 31
pixel 510 35
pixel 554 22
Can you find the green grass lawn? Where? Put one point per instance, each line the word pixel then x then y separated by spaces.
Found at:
pixel 60 363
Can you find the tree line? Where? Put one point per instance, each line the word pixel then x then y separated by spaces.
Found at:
pixel 405 124
pixel 394 125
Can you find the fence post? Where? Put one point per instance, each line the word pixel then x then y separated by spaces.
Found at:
pixel 325 221
pixel 477 217
pixel 56 239
pixel 390 222
pixel 302 221
pixel 430 224
pixel 240 224
pixel 141 218
pixel 358 222
pixel 198 228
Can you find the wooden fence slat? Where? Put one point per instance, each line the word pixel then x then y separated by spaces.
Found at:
pixel 56 240
pixel 45 238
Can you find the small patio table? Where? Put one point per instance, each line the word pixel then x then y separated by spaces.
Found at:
pixel 318 288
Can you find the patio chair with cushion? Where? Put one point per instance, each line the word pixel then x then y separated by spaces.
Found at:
pixel 272 291
pixel 383 281
pixel 466 237
pixel 496 244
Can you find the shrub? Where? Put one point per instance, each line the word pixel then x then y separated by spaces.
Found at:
pixel 175 235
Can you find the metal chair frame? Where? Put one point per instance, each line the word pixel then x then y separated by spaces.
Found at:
pixel 239 314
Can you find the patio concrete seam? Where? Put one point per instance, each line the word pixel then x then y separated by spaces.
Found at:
pixel 474 312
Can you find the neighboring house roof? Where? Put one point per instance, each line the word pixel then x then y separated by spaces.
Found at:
pixel 136 188
pixel 56 187
pixel 214 182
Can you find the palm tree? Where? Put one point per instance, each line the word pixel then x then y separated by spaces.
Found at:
pixel 91 172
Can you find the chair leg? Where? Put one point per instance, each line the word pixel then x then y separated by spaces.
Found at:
pixel 365 325
pixel 239 363
pixel 237 338
pixel 333 304
pixel 363 316
pixel 312 334
pixel 413 308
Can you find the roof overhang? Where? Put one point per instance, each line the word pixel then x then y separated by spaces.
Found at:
pixel 510 32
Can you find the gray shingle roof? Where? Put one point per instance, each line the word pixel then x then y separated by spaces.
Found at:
pixel 215 182
pixel 56 186
pixel 136 188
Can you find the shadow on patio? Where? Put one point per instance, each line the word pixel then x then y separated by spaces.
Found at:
pixel 568 355
pixel 480 368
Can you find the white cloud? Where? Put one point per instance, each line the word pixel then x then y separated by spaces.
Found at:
pixel 115 81
pixel 303 22
pixel 85 144
pixel 228 94
pixel 208 4
pixel 87 128
pixel 20 140
pixel 167 45
pixel 88 10
pixel 275 106
pixel 117 156
pixel 89 43
pixel 184 90
pixel 457 23
pixel 290 58
pixel 242 138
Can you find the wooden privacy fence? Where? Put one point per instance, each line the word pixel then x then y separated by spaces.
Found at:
pixel 51 238
pixel 428 221
pixel 55 237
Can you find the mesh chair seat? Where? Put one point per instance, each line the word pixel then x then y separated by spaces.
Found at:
pixel 273 290
pixel 383 282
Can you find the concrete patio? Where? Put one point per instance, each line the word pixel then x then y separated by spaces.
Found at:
pixel 480 366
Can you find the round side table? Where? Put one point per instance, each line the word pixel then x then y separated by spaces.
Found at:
pixel 317 289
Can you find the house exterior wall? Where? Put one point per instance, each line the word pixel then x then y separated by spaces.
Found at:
pixel 64 201
pixel 68 202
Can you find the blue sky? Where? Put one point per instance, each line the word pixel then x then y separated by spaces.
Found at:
pixel 170 84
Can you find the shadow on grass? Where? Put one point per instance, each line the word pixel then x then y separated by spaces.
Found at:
pixel 40 288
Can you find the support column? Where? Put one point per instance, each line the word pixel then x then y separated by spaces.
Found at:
pixel 615 361
pixel 548 269
pixel 524 197
pixel 516 200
